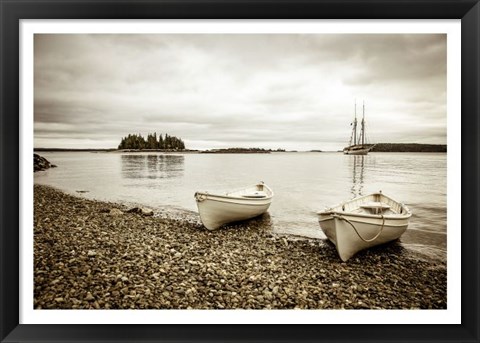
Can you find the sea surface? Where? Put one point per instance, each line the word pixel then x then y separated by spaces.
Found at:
pixel 304 183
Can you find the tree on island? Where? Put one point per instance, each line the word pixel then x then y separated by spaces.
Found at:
pixel 137 142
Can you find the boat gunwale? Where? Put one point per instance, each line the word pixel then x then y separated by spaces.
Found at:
pixel 361 215
pixel 248 201
pixel 330 211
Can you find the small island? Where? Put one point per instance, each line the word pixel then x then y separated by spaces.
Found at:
pixel 241 151
pixel 137 142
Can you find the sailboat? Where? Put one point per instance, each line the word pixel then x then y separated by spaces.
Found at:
pixel 357 145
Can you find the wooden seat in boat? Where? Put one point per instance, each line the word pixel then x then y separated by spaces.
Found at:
pixel 375 207
pixel 255 195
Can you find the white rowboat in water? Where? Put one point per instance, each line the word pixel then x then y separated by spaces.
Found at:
pixel 219 209
pixel 364 222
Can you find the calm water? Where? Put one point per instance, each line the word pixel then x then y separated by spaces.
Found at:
pixel 304 183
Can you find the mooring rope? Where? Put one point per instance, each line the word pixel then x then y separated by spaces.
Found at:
pixel 356 231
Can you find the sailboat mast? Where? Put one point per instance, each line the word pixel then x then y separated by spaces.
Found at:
pixel 363 124
pixel 355 125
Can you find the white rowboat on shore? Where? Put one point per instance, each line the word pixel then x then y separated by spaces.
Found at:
pixel 364 222
pixel 219 209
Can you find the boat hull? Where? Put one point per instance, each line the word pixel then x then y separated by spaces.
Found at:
pixel 357 150
pixel 346 239
pixel 218 210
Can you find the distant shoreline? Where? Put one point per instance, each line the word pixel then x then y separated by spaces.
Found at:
pixel 380 147
pixel 113 150
pixel 409 147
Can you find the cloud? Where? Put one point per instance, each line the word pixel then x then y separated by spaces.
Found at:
pixel 261 90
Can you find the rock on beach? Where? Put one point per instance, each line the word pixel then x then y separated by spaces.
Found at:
pixel 86 258
pixel 41 163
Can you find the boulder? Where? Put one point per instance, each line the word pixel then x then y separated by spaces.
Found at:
pixel 135 210
pixel 115 212
pixel 144 211
pixel 41 163
pixel 147 211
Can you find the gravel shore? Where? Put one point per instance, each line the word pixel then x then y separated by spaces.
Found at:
pixel 88 256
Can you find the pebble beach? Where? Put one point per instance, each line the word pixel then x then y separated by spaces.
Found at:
pixel 97 255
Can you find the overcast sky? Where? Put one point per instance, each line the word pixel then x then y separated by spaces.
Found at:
pixel 295 92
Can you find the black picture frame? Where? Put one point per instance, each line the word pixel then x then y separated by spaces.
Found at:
pixel 12 11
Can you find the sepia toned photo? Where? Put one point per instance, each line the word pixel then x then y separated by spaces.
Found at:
pixel 240 171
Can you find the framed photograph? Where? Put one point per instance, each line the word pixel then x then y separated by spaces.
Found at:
pixel 232 171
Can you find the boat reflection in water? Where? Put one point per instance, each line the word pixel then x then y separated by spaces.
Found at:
pixel 358 166
pixel 140 166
